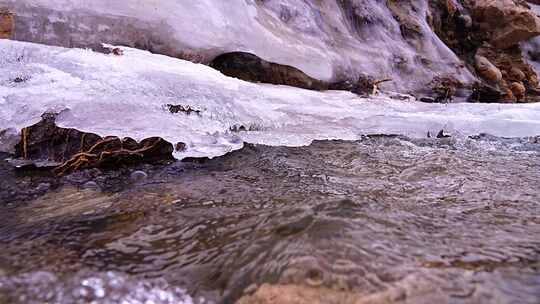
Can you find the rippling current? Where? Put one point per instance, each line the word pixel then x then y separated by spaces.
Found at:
pixel 380 220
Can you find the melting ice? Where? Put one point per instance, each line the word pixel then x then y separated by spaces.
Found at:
pixel 127 96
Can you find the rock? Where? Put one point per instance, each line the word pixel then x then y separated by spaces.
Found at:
pixel 442 134
pixel 180 147
pixel 513 66
pixel 516 74
pixel 251 68
pixel 492 40
pixel 444 88
pixel 46 141
pixel 91 186
pixel 138 175
pixel 186 109
pixel 7 24
pixel 487 70
pixel 76 150
pixel 506 22
pixel 485 93
pixel 464 22
pixel 117 52
pixel 428 100
pixel 518 89
pixel 365 85
pixel 292 294
pixel 410 28
pixel 43 187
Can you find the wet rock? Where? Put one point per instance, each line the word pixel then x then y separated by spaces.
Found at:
pixel 138 175
pixel 7 24
pixel 91 186
pixel 46 142
pixel 29 166
pixel 43 187
pixel 252 68
pixel 292 294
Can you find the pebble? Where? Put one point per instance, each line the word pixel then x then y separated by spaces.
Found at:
pixel 43 187
pixel 138 175
pixel 91 185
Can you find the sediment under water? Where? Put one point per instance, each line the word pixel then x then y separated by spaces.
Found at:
pixel 423 220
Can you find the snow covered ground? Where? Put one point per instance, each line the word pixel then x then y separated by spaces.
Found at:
pixel 127 96
pixel 325 39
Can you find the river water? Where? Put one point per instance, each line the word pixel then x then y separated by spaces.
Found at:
pixel 383 219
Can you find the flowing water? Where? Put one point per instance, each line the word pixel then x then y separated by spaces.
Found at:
pixel 377 219
pixel 454 220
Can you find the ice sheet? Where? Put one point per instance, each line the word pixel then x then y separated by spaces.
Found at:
pixel 126 96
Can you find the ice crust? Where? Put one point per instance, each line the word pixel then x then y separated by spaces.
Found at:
pixel 126 96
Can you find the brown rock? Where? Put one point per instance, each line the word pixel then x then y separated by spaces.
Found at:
pixel 75 150
pixel 7 24
pixel 518 89
pixel 295 294
pixel 487 70
pixel 508 96
pixel 516 74
pixel 408 288
pixel 508 22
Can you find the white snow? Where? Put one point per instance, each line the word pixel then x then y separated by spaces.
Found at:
pixel 322 38
pixel 126 96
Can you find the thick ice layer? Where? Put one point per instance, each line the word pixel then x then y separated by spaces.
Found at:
pixel 126 96
pixel 325 39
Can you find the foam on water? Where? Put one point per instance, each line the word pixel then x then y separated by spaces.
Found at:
pixel 127 96
pixel 105 288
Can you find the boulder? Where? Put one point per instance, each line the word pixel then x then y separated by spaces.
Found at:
pixel 71 149
pixel 507 22
pixel 252 68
